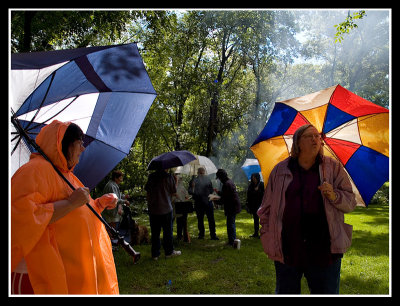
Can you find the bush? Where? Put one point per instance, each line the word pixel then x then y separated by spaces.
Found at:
pixel 381 197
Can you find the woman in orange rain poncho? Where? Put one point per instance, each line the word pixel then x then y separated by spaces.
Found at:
pixel 58 246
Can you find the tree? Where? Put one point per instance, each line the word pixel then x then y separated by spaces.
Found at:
pixel 267 39
pixel 223 27
pixel 186 48
pixel 360 63
pixel 48 30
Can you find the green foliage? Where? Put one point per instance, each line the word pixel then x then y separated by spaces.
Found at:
pixel 47 30
pixel 345 26
pixel 381 197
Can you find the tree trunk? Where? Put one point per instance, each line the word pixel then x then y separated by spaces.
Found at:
pixel 212 124
pixel 26 46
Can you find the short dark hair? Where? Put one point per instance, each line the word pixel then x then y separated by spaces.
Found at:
pixel 72 134
pixel 115 174
pixel 256 175
pixel 221 175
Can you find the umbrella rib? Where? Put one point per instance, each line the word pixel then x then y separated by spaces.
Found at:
pixel 53 105
pixel 15 137
pixel 109 145
pixel 139 92
pixel 347 125
pixel 16 145
pixel 39 124
pixel 361 146
pixel 44 98
pixel 336 141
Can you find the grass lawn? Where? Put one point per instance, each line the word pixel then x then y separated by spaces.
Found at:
pixel 209 267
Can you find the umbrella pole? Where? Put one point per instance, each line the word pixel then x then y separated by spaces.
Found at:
pixel 121 241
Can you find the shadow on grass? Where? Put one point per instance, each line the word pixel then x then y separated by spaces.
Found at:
pixel 358 285
pixel 371 242
pixel 366 243
pixel 372 210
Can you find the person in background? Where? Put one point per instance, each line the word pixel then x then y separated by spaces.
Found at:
pixel 160 188
pixel 200 188
pixel 114 216
pixel 302 217
pixel 255 193
pixel 58 246
pixel 182 195
pixel 230 200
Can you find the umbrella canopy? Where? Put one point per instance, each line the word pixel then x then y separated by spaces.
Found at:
pixel 354 130
pixel 251 166
pixel 105 90
pixel 200 162
pixel 171 160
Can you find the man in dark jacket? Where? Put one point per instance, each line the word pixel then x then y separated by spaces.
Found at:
pixel 160 187
pixel 231 202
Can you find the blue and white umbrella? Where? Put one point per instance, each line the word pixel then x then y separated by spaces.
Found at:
pixel 105 90
pixel 251 166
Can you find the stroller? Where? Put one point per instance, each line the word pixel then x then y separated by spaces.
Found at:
pixel 127 224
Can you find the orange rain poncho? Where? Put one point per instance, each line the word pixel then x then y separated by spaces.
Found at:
pixel 72 255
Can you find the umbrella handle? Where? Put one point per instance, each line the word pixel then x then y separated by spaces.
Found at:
pixel 121 241
pixel 323 136
pixel 128 248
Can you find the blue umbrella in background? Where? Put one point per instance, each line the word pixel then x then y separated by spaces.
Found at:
pixel 105 90
pixel 251 166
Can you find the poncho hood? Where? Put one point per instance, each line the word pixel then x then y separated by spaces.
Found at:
pixel 50 139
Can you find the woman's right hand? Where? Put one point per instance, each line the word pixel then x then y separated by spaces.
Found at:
pixel 79 197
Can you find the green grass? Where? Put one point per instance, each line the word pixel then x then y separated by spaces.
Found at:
pixel 209 267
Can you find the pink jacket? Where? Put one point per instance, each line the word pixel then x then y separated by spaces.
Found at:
pixel 273 206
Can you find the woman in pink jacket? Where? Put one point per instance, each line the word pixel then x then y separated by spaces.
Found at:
pixel 302 217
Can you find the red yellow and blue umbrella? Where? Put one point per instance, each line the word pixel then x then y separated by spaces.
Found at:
pixel 354 131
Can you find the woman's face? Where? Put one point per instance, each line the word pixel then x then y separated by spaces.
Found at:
pixel 310 142
pixel 74 152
